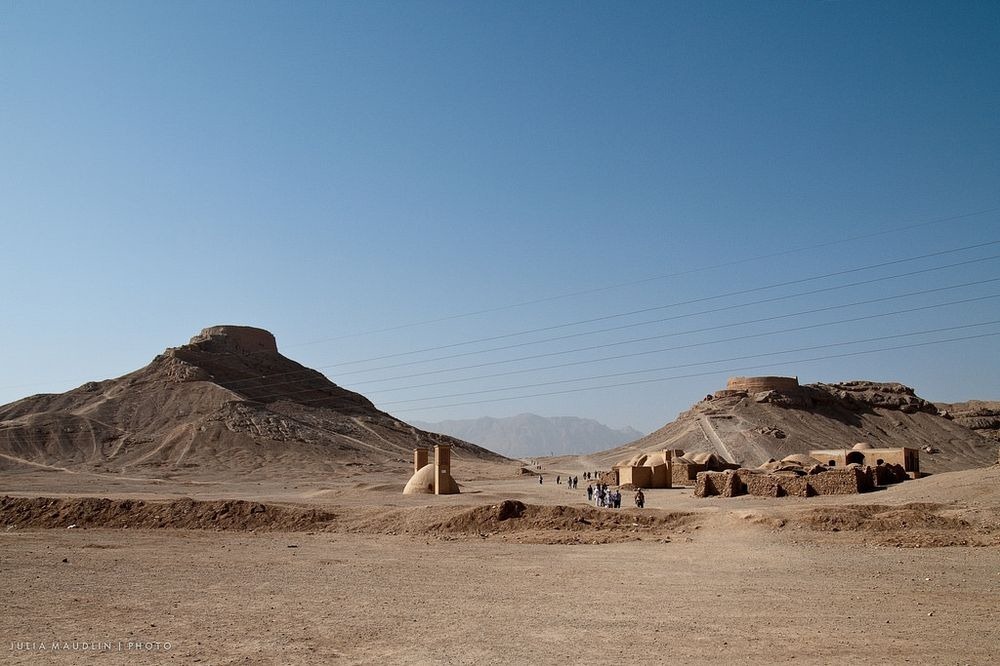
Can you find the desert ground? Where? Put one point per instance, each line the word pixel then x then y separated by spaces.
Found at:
pixel 346 569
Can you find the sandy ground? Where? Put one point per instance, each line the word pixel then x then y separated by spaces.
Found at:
pixel 744 580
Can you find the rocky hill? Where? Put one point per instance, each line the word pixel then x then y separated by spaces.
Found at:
pixel 226 402
pixel 983 416
pixel 755 419
pixel 529 435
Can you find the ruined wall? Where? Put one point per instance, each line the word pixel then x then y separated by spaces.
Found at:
pixel 723 484
pixel 759 384
pixel 246 339
pixel 684 473
pixel 775 485
pixel 843 481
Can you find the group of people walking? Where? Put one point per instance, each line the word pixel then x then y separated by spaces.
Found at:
pixel 603 496
pixel 571 481
pixel 599 493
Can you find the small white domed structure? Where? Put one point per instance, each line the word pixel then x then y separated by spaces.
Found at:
pixel 432 478
pixel 422 482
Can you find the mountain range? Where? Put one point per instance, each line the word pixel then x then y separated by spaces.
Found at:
pixel 530 435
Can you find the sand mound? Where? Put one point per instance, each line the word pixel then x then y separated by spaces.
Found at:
pixel 581 524
pixel 912 525
pixel 511 518
pixel 880 518
pixel 45 512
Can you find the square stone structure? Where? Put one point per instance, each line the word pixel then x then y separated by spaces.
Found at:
pixel 864 454
pixel 646 470
pixel 686 466
pixel 442 469
pixel 419 459
pixel 640 477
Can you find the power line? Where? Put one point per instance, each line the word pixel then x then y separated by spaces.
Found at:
pixel 654 278
pixel 690 375
pixel 535 369
pixel 661 336
pixel 310 373
pixel 654 351
pixel 724 308
pixel 695 364
pixel 696 374
pixel 739 292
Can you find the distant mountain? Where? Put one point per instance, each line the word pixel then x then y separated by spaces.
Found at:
pixel 528 435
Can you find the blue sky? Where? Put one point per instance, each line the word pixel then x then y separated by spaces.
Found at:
pixel 328 169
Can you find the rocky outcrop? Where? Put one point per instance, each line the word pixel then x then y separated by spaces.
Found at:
pixel 785 418
pixel 855 395
pixel 981 416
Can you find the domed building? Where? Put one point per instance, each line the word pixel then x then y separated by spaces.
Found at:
pixel 864 453
pixel 432 478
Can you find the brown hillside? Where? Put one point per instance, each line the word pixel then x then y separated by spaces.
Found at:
pixel 983 416
pixel 226 402
pixel 750 426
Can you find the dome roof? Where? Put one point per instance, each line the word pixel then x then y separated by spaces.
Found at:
pixel 650 459
pixel 655 459
pixel 422 482
pixel 861 446
pixel 703 458
pixel 770 465
pixel 802 459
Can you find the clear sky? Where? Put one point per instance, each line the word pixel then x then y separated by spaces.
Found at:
pixel 329 169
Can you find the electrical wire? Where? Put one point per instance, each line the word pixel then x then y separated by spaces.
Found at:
pixel 739 292
pixel 585 292
pixel 695 364
pixel 696 374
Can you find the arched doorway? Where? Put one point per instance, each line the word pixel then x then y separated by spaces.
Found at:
pixel 855 457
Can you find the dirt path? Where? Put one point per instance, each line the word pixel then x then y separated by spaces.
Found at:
pixel 227 598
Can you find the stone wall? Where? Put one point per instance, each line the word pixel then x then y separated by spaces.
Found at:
pixel 684 473
pixel 246 339
pixel 759 384
pixel 723 484
pixel 843 481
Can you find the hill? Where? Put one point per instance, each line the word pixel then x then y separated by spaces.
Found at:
pixel 752 421
pixel 983 416
pixel 529 435
pixel 226 402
